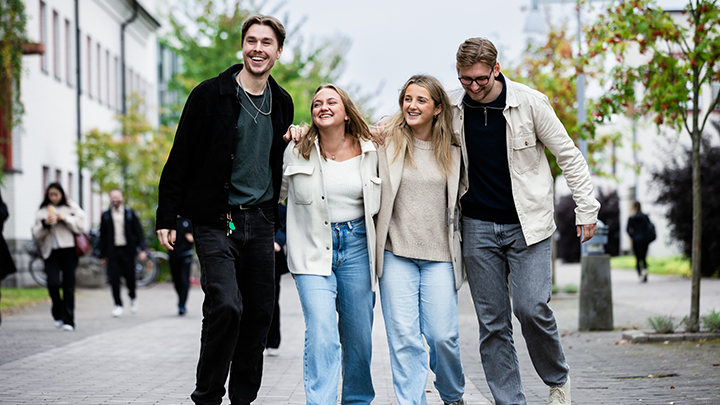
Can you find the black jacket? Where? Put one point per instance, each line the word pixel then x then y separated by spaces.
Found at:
pixel 638 227
pixel 195 182
pixel 7 265
pixel 133 233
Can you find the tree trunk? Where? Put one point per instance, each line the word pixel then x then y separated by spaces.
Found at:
pixel 693 322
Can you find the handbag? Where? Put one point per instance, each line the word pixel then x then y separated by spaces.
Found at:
pixel 82 244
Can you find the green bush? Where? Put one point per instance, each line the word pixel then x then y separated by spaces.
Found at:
pixel 670 266
pixel 662 324
pixel 571 289
pixel 711 321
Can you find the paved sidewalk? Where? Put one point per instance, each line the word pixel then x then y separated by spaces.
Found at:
pixel 150 357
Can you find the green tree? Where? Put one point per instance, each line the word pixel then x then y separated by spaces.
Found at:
pixel 12 39
pixel 130 159
pixel 681 58
pixel 206 35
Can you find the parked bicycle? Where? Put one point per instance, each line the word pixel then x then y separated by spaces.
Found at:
pixel 147 272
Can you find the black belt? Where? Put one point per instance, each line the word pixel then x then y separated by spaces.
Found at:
pixel 245 207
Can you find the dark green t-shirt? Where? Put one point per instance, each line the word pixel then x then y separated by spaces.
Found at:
pixel 251 181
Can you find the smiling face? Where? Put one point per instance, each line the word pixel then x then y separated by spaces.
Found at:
pixel 260 49
pixel 479 71
pixel 328 110
pixel 418 108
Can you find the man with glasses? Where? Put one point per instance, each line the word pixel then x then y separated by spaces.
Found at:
pixel 508 216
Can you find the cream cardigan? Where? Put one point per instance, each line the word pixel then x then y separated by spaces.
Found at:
pixel 63 231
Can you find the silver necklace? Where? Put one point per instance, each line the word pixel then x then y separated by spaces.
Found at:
pixel 258 109
pixel 332 155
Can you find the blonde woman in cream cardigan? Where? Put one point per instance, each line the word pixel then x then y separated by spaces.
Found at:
pixel 56 224
pixel 330 178
pixel 419 260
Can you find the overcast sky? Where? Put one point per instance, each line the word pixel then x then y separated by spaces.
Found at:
pixel 392 40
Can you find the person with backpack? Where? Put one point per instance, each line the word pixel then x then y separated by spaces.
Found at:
pixel 642 232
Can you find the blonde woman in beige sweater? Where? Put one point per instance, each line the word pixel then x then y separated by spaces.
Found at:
pixel 56 224
pixel 419 260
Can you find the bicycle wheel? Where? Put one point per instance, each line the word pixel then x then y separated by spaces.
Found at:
pixel 37 271
pixel 146 271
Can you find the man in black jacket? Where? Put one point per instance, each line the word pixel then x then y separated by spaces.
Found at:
pixel 224 173
pixel 121 239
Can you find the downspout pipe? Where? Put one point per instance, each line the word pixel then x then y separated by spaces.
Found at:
pixel 127 22
pixel 78 93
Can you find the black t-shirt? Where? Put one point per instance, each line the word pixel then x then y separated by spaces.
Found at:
pixel 490 195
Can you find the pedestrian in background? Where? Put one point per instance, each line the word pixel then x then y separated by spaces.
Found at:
pixel 7 265
pixel 330 179
pixel 121 241
pixel 56 224
pixel 419 260
pixel 181 261
pixel 642 232
pixel 281 267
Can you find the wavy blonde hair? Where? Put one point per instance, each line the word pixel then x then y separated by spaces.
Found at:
pixel 355 125
pixel 443 137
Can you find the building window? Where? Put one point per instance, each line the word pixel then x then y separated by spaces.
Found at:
pixel 45 179
pixel 69 185
pixel 43 36
pixel 89 67
pixel 107 76
pixel 99 75
pixel 56 44
pixel 58 175
pixel 68 53
pixel 116 79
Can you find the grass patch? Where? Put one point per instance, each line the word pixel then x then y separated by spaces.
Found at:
pixel 674 266
pixel 14 299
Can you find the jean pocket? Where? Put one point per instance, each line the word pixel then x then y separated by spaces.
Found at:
pixel 268 214
pixel 300 181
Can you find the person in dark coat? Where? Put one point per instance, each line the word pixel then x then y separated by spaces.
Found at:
pixel 7 265
pixel 119 245
pixel 639 229
pixel 281 267
pixel 181 261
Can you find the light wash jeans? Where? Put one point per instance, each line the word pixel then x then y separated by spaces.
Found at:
pixel 491 252
pixel 419 298
pixel 338 312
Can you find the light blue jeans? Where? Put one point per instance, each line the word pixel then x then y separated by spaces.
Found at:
pixel 491 252
pixel 419 298
pixel 338 312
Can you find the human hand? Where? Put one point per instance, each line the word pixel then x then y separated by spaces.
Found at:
pixel 379 131
pixel 294 133
pixel 277 247
pixel 587 231
pixel 103 262
pixel 167 238
pixel 52 218
pixel 142 255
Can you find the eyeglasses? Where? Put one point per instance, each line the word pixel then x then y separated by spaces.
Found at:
pixel 468 81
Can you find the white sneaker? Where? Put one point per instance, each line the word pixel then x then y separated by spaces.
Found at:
pixel 272 351
pixel 133 305
pixel 117 311
pixel 68 328
pixel 560 395
pixel 58 324
pixel 644 275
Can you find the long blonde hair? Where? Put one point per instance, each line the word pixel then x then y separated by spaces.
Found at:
pixel 355 125
pixel 443 137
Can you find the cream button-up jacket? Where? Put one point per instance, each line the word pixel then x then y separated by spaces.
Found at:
pixel 309 231
pixel 531 127
pixel 391 175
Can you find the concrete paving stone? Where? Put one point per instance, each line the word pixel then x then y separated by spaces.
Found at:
pixel 150 357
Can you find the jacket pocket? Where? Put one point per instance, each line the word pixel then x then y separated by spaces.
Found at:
pixel 300 180
pixel 525 155
pixel 374 197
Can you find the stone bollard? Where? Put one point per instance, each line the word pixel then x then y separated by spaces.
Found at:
pixel 90 273
pixel 596 309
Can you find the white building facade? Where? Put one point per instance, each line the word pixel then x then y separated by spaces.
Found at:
pixel 44 146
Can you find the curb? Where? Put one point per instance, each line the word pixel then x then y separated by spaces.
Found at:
pixel 649 337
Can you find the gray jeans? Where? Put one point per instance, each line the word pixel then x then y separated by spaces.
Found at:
pixel 492 252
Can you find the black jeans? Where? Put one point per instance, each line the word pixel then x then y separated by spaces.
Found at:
pixel 238 281
pixel 640 248
pixel 273 336
pixel 180 269
pixel 122 263
pixel 65 261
